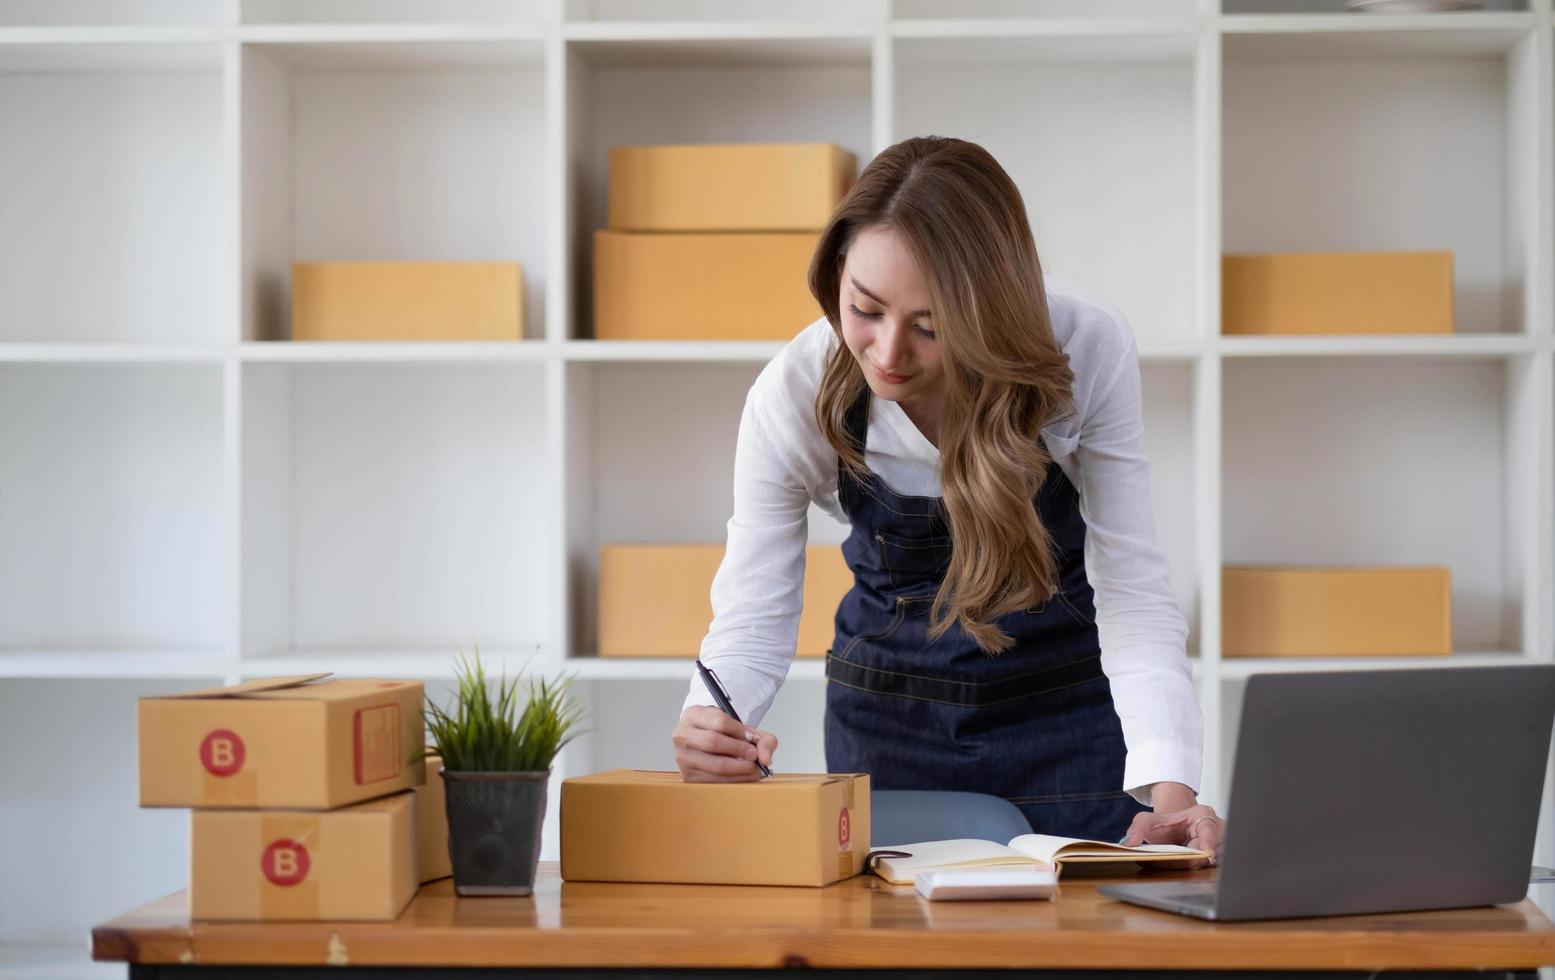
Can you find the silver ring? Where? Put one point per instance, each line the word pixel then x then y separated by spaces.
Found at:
pixel 1193 830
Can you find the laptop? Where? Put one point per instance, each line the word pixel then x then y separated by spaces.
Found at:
pixel 1377 791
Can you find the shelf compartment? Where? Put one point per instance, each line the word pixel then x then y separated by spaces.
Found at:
pixel 647 12
pixel 764 88
pixel 1400 462
pixel 113 509
pixel 1062 10
pixel 1412 113
pixel 1055 41
pixel 718 44
pixel 486 12
pixel 389 507
pixel 72 13
pixel 1332 15
pixel 1107 144
pixel 1352 38
pixel 651 466
pixel 379 150
pixel 113 229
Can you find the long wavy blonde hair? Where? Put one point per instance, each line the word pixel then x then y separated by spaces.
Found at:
pixel 1005 375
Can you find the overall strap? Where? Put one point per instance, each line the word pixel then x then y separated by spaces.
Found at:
pixel 855 424
pixel 856 421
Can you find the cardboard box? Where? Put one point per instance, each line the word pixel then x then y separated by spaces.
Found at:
pixel 702 286
pixel 432 860
pixel 1285 611
pixel 289 742
pixel 265 865
pixel 747 187
pixel 790 829
pixel 1337 293
pixel 407 301
pixel 655 600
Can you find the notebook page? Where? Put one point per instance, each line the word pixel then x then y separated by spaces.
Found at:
pixel 960 853
pixel 1045 847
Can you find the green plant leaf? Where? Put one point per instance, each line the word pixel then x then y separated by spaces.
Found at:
pixel 485 730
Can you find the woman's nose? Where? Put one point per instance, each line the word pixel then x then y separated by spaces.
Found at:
pixel 891 344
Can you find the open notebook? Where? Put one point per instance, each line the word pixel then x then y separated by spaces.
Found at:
pixel 1021 852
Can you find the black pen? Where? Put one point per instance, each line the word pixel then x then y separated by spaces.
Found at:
pixel 724 704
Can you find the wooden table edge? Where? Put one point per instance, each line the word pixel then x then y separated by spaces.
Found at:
pixel 138 938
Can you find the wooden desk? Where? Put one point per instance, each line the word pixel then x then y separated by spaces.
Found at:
pixel 860 924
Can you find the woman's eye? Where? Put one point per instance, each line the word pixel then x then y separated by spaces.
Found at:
pixel 924 331
pixel 860 313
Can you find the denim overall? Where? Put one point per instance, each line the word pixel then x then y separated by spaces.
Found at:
pixel 1034 724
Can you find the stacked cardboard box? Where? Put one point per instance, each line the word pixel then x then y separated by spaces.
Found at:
pixel 302 794
pixel 713 242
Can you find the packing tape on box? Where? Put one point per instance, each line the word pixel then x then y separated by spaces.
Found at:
pixel 241 789
pixel 289 848
pixel 845 839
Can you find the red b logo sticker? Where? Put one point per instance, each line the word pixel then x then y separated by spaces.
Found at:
pixel 222 752
pixel 285 862
pixel 844 829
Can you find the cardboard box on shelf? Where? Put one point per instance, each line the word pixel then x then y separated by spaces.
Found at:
pixel 295 742
pixel 1337 293
pixel 737 286
pixel 403 301
pixel 788 829
pixel 1290 611
pixel 432 858
pixel 740 187
pixel 358 862
pixel 654 600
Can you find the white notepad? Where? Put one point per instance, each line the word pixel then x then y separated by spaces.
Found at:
pixel 981 884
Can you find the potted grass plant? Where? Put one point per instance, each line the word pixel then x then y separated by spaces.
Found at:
pixel 497 751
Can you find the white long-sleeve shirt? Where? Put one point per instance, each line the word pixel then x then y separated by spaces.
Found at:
pixel 783 463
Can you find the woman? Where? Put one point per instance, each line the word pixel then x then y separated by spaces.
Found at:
pixel 1010 629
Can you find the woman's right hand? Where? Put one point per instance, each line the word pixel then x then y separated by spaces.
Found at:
pixel 711 747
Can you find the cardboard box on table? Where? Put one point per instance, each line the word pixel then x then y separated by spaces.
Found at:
pixel 432 857
pixel 281 742
pixel 357 862
pixel 1290 611
pixel 654 600
pixel 1337 293
pixel 788 829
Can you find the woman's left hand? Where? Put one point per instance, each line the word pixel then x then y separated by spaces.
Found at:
pixel 1197 826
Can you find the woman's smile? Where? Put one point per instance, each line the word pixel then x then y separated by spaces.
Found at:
pixel 888 377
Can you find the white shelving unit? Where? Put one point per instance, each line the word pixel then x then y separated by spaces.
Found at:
pixel 186 498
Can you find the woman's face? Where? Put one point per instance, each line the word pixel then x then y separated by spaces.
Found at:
pixel 885 317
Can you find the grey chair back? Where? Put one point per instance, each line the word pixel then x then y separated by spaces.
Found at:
pixel 908 816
